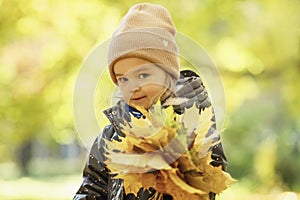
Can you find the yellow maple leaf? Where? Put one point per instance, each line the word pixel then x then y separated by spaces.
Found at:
pixel 149 134
pixel 178 188
pixel 131 162
pixel 133 182
pixel 209 178
pixel 203 142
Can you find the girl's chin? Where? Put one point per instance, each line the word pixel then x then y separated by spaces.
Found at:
pixel 142 103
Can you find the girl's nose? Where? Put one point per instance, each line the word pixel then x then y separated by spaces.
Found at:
pixel 135 88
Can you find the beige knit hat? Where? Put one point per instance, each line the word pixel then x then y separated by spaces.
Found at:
pixel 146 31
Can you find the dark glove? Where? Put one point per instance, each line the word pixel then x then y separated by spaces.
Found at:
pixel 190 86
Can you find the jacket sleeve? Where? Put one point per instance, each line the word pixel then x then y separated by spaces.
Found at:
pixel 96 176
pixel 218 158
pixel 218 155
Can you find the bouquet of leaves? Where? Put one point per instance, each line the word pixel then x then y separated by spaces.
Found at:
pixel 168 152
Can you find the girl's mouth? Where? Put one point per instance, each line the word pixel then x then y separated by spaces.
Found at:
pixel 137 98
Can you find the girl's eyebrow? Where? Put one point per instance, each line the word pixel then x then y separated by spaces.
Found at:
pixel 119 74
pixel 143 70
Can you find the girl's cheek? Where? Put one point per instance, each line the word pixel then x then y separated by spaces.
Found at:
pixel 125 96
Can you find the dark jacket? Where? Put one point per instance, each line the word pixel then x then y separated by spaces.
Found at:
pixel 99 184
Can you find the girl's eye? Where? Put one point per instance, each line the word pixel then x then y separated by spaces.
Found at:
pixel 143 75
pixel 122 79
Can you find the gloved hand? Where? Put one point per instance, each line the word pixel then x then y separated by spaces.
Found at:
pixel 191 87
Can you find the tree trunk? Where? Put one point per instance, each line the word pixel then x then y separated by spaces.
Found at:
pixel 24 155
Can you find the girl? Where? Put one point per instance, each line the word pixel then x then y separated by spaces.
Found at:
pixel 143 62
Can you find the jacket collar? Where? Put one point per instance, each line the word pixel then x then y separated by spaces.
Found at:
pixel 121 114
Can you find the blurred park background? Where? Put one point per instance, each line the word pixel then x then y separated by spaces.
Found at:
pixel 255 44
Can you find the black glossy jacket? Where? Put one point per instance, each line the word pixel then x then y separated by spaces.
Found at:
pixel 99 184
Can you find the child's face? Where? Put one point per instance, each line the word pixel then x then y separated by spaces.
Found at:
pixel 141 82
